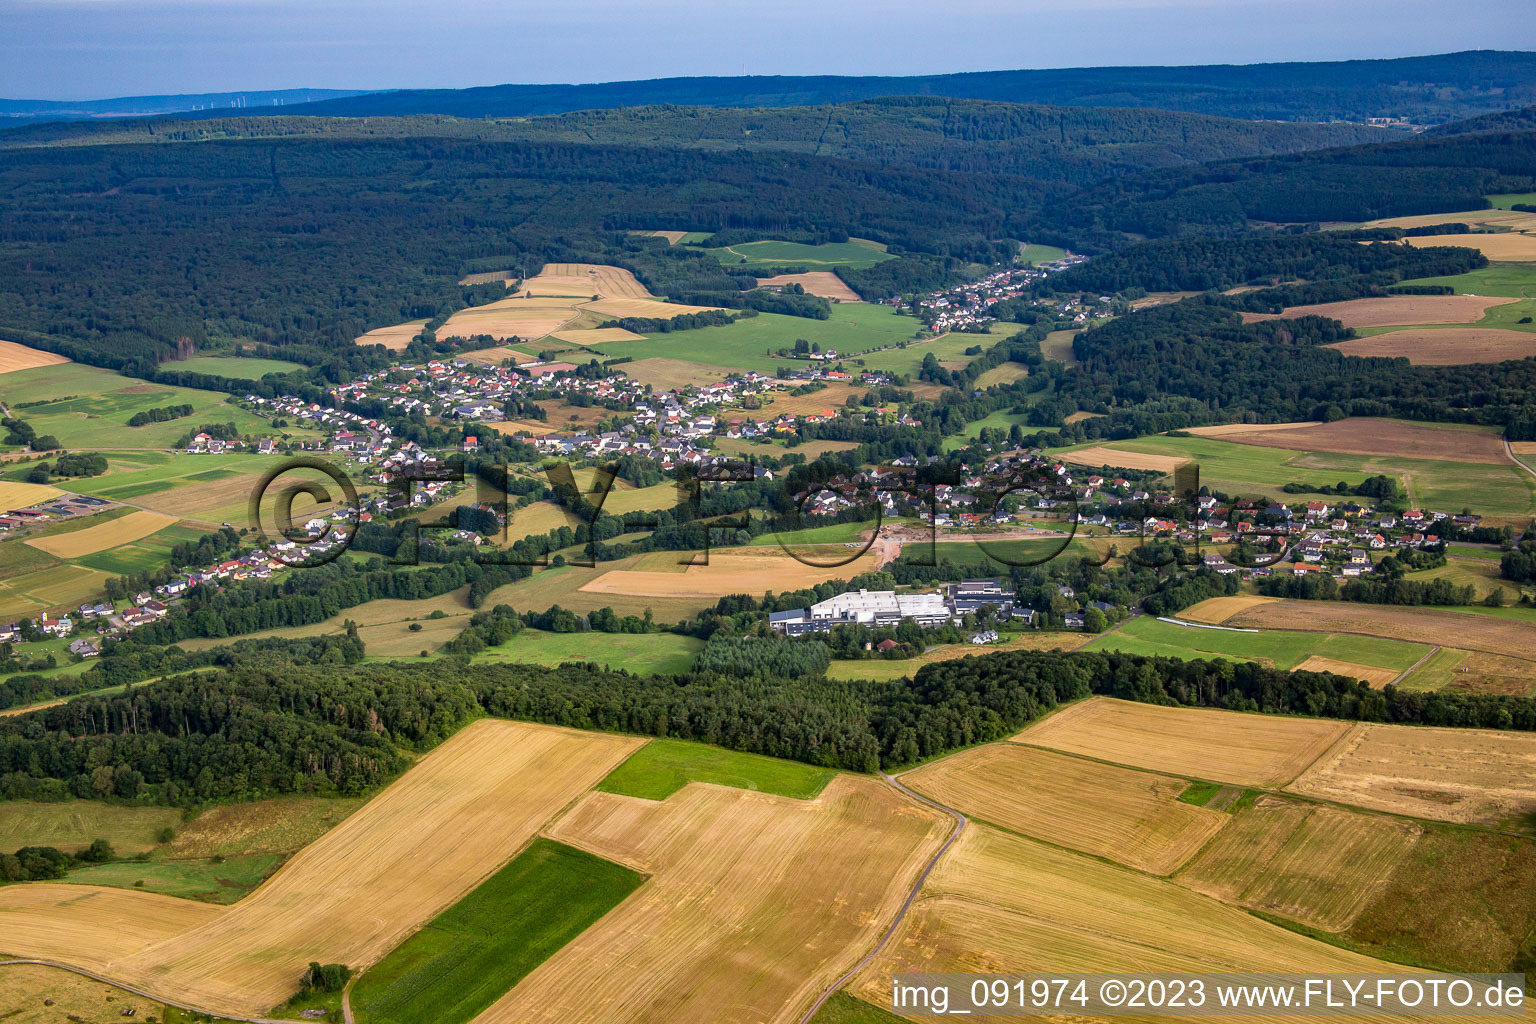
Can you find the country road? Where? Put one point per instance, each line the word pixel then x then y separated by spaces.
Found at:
pixel 960 823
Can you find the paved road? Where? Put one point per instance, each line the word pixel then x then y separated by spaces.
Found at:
pixel 960 823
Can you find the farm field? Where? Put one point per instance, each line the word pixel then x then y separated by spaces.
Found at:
pixel 383 625
pixel 1132 817
pixel 1442 468
pixel 58 586
pixel 73 824
pixel 881 670
pixel 664 766
pixel 123 530
pixel 281 825
pixel 1199 743
pixel 749 344
pixel 829 254
pixel 999 420
pixel 34 994
pixel 1006 373
pixel 1002 903
pixel 730 571
pixel 812 450
pixel 394 337
pixel 209 881
pixel 755 902
pixel 1035 253
pixel 1445 346
pixel 1466 776
pixel 474 951
pixel 1474 671
pixel 1488 633
pixel 238 367
pixel 414 849
pixel 15 357
pixel 1058 346
pixel 16 494
pixel 569 587
pixel 89 407
pixel 1515 280
pixel 817 282
pixel 1511 246
pixel 1280 649
pixel 1318 865
pixel 641 653
pixel 1462 900
pixel 1395 310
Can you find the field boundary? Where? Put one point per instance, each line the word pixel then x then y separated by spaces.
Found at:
pixel 917 887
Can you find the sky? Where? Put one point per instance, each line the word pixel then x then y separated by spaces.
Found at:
pixel 83 49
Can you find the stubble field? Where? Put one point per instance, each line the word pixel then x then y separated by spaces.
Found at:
pixel 349 897
pixel 755 902
pixel 1225 746
pixel 1394 309
pixel 1135 818
pixel 1468 776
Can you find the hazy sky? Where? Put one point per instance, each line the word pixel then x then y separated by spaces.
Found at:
pixel 77 49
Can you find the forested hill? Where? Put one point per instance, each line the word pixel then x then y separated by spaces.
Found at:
pixel 1066 144
pixel 1523 120
pixel 1420 175
pixel 1429 89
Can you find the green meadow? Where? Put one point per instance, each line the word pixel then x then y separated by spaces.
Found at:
pixel 1514 280
pixel 853 327
pixel 239 367
pixel 662 767
pixel 813 257
pixel 88 407
pixel 1508 200
pixel 1033 254
pixel 1250 470
pixel 1001 419
pixel 1282 649
pixel 641 653
pixel 211 881
pixel 477 949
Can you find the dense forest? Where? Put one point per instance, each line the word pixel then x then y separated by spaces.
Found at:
pixel 253 730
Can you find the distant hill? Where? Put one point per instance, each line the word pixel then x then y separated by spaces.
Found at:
pixel 1428 89
pixel 1068 145
pixel 28 111
pixel 1505 121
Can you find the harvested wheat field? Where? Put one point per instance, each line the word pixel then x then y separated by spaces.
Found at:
pixel 514 317
pixel 350 897
pixel 20 357
pixel 1468 631
pixel 1216 610
pixel 818 282
pixel 1367 435
pixel 1394 310
pixel 736 571
pixel 134 526
pixel 584 280
pixel 664 374
pixel 1318 865
pixel 1446 346
pixel 95 928
pixel 1099 455
pixel 754 905
pixel 1508 246
pixel 394 338
pixel 641 306
pixel 1128 816
pixel 598 335
pixel 1002 903
pixel 1469 776
pixel 489 276
pixel 1364 673
pixel 14 494
pixel 496 356
pixel 1515 220
pixel 1200 743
